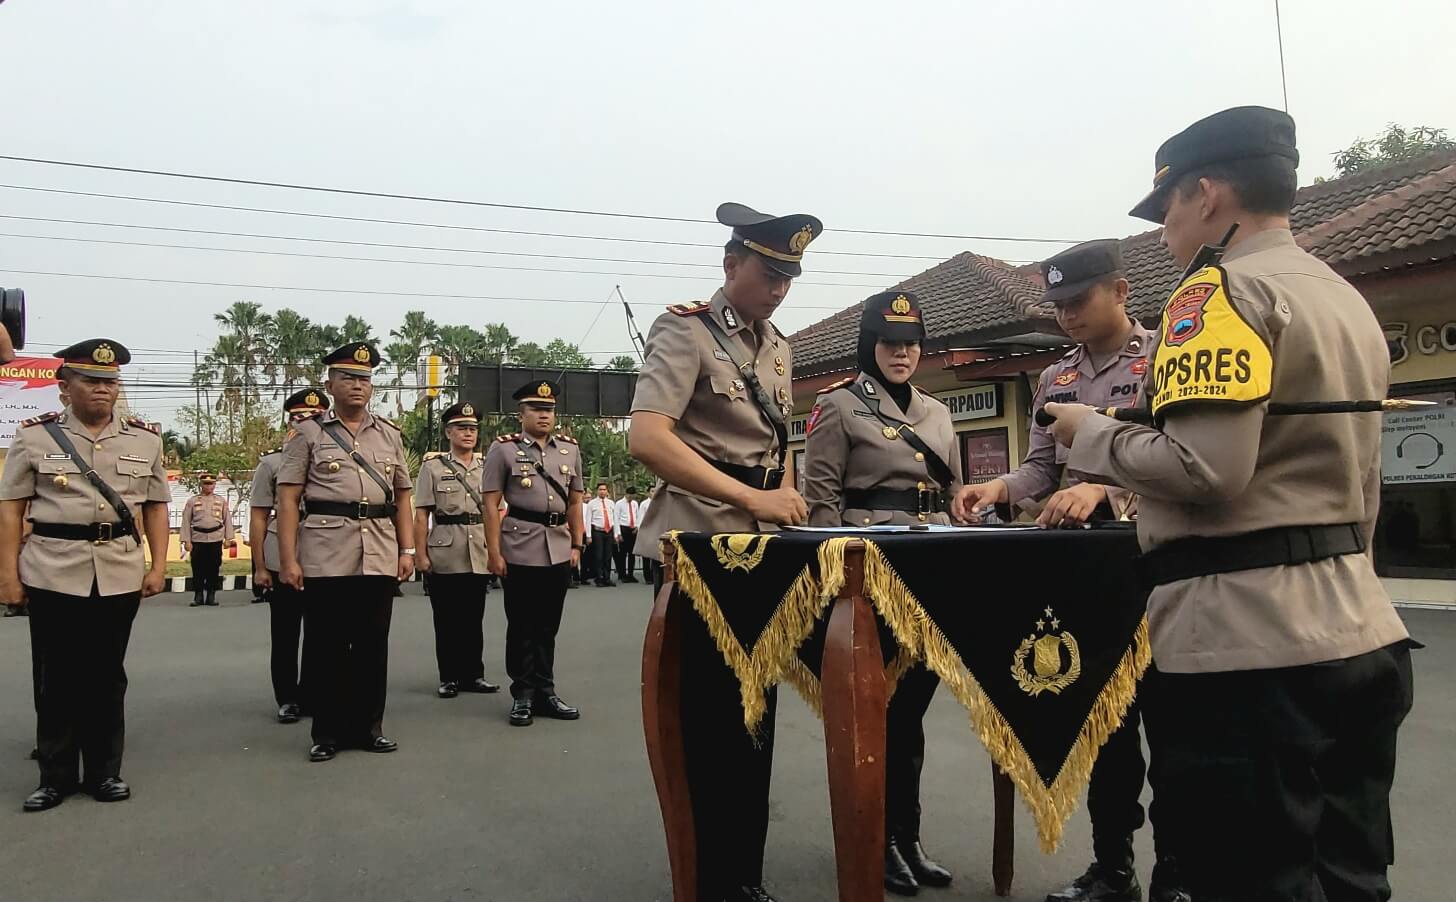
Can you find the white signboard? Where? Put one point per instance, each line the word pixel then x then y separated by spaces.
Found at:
pixel 1420 445
pixel 975 402
pixel 27 389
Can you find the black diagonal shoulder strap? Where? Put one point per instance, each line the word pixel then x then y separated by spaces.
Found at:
pixel 123 510
pixel 937 466
pixel 551 481
pixel 756 391
pixel 344 440
pixel 463 477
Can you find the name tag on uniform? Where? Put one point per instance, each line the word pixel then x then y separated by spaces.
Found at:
pixel 721 355
pixel 58 457
pixel 445 476
pixel 864 413
pixel 135 459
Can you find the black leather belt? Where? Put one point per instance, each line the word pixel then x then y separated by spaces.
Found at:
pixel 360 511
pixel 457 519
pixel 545 518
pixel 206 528
pixel 1202 556
pixel 753 477
pixel 911 501
pixel 100 533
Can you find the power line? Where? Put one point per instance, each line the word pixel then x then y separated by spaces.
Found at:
pixel 1279 33
pixel 400 294
pixel 386 195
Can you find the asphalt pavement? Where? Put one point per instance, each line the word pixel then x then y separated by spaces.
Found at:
pixel 226 805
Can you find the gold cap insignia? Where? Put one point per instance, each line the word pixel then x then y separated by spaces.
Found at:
pixel 468 410
pixel 361 354
pixel 801 239
pixel 543 390
pixel 312 399
pixel 104 355
pixel 900 305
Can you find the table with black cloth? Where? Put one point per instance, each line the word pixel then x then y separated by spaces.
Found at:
pixel 1040 634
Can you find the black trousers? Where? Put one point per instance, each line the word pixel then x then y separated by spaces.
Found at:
pixel 534 598
pixel 729 770
pixel 601 553
pixel 626 563
pixel 348 620
pixel 206 565
pixel 79 648
pixel 905 751
pixel 457 601
pixel 286 618
pixel 1115 788
pixel 1274 785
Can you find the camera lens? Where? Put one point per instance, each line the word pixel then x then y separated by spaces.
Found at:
pixel 12 315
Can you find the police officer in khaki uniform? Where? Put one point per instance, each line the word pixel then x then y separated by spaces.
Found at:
pixel 206 527
pixel 356 545
pixel 94 484
pixel 709 418
pixel 1108 368
pixel 285 604
pixel 881 451
pixel 450 543
pixel 1281 668
pixel 536 546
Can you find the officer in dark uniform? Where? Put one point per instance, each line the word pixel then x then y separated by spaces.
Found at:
pixel 535 547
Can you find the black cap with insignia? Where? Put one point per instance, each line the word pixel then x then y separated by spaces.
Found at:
pixel 538 393
pixel 1070 273
pixel 1242 133
pixel 778 240
pixel 354 357
pixel 307 400
pixel 461 414
pixel 99 358
pixel 893 316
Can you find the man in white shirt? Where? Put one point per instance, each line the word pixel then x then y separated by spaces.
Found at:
pixel 629 514
pixel 602 524
pixel 649 566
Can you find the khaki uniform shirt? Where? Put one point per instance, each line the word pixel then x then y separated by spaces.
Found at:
pixel 847 448
pixel 209 512
pixel 1075 379
pixel 343 546
pixel 688 377
pixel 455 547
pixel 509 470
pixel 265 495
pixel 1221 470
pixel 128 456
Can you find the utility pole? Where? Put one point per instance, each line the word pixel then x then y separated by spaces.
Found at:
pixel 196 403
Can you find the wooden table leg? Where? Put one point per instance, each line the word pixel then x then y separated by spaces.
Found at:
pixel 1003 844
pixel 852 685
pixel 662 724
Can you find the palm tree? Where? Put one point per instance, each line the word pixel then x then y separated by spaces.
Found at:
pixel 402 357
pixel 417 334
pixel 248 331
pixel 298 346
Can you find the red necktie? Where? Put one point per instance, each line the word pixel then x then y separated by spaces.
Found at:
pixel 631 515
pixel 606 517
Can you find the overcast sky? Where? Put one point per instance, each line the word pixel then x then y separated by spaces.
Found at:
pixel 1032 119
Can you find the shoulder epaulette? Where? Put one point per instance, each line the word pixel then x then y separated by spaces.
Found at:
pixel 779 332
pixel 389 422
pixel 690 309
pixel 924 392
pixel 562 437
pixel 836 385
pixel 140 423
pixel 514 436
pixel 431 455
pixel 270 452
pixel 43 418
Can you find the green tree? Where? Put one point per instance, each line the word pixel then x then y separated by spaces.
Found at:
pixel 557 353
pixel 243 351
pixel 624 363
pixel 604 454
pixel 1395 144
pixel 298 345
pixel 416 335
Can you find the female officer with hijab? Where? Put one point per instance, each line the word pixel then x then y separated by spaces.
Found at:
pixel 881 451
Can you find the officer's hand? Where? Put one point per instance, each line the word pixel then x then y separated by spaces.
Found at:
pixel 186 547
pixel 262 578
pixel 291 576
pixel 406 567
pixel 1069 417
pixel 422 561
pixel 232 543
pixel 782 505
pixel 575 558
pixel 1073 506
pixel 972 498
pixel 153 582
pixel 12 593
pixel 497 564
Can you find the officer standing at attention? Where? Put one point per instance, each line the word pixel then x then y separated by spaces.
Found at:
pixel 1282 671
pixel 206 527
pixel 1108 368
pixel 450 543
pixel 601 520
pixel 535 547
pixel 346 467
pixel 881 451
pixel 285 604
pixel 710 419
pixel 628 514
pixel 84 473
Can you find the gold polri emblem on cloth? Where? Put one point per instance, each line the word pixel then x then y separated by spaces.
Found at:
pixel 740 550
pixel 468 410
pixel 1051 670
pixel 312 399
pixel 801 239
pixel 900 305
pixel 543 390
pixel 361 354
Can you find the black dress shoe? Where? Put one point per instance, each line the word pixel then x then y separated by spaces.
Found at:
pixel 212 598
pixel 448 690
pixel 381 745
pixel 43 799
pixel 748 894
pixel 111 789
pixel 481 684
pixel 927 872
pixel 899 879
pixel 288 713
pixel 606 584
pixel 553 706
pixel 629 579
pixel 1102 883
pixel 521 712
pixel 1164 893
pixel 322 752
pixel 197 601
